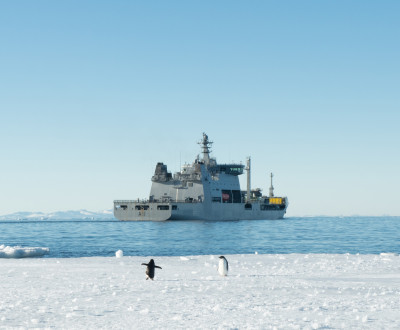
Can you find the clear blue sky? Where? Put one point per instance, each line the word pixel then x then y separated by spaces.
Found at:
pixel 94 93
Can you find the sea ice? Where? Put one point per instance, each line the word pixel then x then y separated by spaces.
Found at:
pixel 22 252
pixel 292 291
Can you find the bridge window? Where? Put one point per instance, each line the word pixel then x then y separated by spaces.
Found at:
pixel 163 207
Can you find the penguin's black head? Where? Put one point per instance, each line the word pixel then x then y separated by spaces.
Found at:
pixel 222 257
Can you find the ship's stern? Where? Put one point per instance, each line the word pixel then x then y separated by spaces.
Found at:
pixel 141 211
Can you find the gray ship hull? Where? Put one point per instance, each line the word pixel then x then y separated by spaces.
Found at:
pixel 135 211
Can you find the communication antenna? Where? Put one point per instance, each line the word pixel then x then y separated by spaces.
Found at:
pixel 248 169
pixel 271 188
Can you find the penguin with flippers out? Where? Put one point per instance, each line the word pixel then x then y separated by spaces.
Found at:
pixel 223 266
pixel 151 266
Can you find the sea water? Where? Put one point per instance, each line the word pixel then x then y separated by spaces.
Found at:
pixel 86 238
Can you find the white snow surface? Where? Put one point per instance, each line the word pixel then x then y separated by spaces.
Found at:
pixel 60 215
pixel 295 291
pixel 22 252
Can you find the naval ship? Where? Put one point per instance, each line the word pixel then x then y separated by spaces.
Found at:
pixel 203 190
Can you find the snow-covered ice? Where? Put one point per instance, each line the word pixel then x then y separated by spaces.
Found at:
pixel 59 215
pixel 22 252
pixel 295 291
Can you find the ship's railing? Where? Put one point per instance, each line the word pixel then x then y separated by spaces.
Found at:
pixel 269 200
pixel 146 201
pixel 266 200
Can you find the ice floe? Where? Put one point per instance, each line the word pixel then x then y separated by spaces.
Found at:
pixel 22 252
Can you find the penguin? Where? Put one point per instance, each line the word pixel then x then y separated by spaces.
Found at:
pixel 223 266
pixel 150 269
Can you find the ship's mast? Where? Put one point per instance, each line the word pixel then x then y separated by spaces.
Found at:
pixel 205 146
pixel 248 168
pixel 271 188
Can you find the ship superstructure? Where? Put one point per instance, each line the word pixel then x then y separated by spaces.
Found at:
pixel 203 190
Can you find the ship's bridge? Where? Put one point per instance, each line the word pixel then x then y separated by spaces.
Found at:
pixel 231 169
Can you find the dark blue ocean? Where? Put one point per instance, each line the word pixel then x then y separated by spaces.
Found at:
pixel 87 238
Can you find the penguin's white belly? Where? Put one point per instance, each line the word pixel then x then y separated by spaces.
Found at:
pixel 223 267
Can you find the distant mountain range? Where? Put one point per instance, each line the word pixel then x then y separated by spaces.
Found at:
pixel 60 215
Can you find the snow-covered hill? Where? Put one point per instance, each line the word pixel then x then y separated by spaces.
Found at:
pixel 60 215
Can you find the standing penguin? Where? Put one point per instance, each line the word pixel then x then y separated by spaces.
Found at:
pixel 150 269
pixel 223 266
